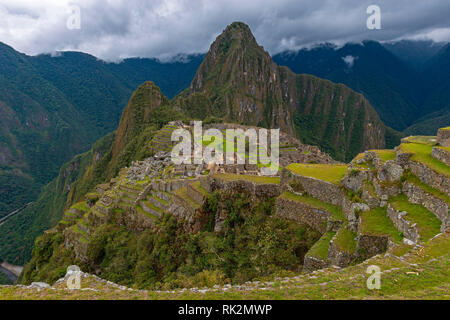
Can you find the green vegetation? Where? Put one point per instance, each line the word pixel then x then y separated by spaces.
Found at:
pixel 385 155
pixel 336 212
pixel 326 172
pixel 4 280
pixel 376 222
pixel 253 244
pixel 422 153
pixel 251 178
pixel 346 240
pixel 320 248
pixel 428 140
pixel 434 192
pixel 427 223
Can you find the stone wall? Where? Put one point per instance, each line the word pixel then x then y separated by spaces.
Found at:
pixel 439 207
pixel 312 263
pixel 322 190
pixel 302 214
pixel 441 155
pixel 430 177
pixel 258 190
pixel 339 257
pixel 443 137
pixel 408 228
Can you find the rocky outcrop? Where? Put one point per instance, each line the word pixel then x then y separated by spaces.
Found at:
pixel 390 172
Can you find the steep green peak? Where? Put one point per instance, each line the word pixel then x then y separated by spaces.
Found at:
pixel 234 54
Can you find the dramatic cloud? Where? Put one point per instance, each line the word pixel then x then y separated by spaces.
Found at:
pixel 114 29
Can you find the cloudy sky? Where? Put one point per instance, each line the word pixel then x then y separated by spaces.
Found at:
pixel 115 29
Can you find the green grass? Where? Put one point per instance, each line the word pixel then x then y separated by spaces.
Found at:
pixel 82 206
pixel 326 172
pixel 422 153
pixel 428 140
pixel 385 155
pixel 335 211
pixel 251 178
pixel 152 206
pixel 434 192
pixel 446 128
pixel 345 240
pixel 444 148
pixel 427 223
pixel 376 222
pixel 182 193
pixel 320 248
pixel 196 185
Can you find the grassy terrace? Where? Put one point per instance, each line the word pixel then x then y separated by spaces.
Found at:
pixel 434 192
pixel 376 222
pixel 196 185
pixel 422 153
pixel 427 223
pixel 82 206
pixel 429 140
pixel 326 172
pixel 386 154
pixel 345 240
pixel 320 248
pixel 336 212
pixel 251 178
pixel 425 279
pixel 182 193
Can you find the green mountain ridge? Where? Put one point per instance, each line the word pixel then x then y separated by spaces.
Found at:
pixel 293 102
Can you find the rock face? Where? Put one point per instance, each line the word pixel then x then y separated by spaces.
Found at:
pixel 390 171
pixel 443 137
pixel 239 82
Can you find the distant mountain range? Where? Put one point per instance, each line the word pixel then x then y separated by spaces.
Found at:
pixel 407 82
pixel 53 107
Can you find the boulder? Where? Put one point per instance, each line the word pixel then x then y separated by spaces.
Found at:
pixel 390 171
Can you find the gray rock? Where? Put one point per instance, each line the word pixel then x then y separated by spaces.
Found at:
pixel 390 171
pixel 39 285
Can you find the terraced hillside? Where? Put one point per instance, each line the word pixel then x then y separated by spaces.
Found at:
pixel 190 221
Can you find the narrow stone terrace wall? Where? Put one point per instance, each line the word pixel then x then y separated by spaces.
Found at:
pixel 322 190
pixel 408 228
pixel 302 214
pixel 441 155
pixel 440 208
